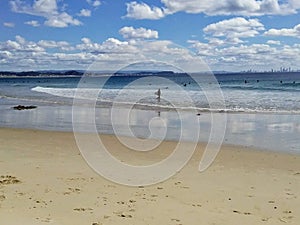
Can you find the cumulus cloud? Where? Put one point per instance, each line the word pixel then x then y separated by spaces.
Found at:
pixel 47 9
pixel 294 4
pixel 63 45
pixel 85 13
pixel 44 54
pixel 45 6
pixel 251 56
pixel 289 32
pixel 224 48
pixel 9 24
pixel 94 3
pixel 234 29
pixel 109 54
pixel 33 23
pixel 213 7
pixel 109 46
pixel 143 11
pixel 88 45
pixel 62 20
pixel 273 42
pixel 202 49
pixel 138 33
pixel 20 45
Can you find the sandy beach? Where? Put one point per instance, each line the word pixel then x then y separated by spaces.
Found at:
pixel 44 180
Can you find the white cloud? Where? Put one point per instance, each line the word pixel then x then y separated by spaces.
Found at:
pixel 94 3
pixel 62 20
pixel 234 29
pixel 213 7
pixel 143 11
pixel 138 33
pixel 5 54
pixel 109 54
pixel 9 24
pixel 273 42
pixel 11 45
pixel 44 54
pixel 39 7
pixel 252 56
pixel 85 13
pixel 20 40
pixel 54 44
pixel 33 23
pixel 47 9
pixel 228 59
pixel 294 4
pixel 203 49
pixel 290 32
pixel 109 46
pixel 216 41
pixel 248 51
pixel 88 45
pixel 45 6
pixel 20 45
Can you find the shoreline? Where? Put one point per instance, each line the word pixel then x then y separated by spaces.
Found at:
pixel 279 132
pixel 109 104
pixel 201 143
pixel 44 180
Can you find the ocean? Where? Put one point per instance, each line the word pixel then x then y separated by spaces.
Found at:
pixel 262 93
pixel 263 109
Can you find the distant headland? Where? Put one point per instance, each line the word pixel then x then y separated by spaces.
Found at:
pixel 79 73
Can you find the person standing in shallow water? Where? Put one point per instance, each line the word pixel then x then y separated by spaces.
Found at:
pixel 158 93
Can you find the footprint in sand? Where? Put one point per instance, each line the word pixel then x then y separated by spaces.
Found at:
pixel 130 204
pixel 7 179
pixel 265 219
pixel 123 215
pixel 185 187
pixel 176 220
pixel 72 190
pixel 82 209
pixel 77 180
pixel 39 203
pixel 2 197
pixel 45 220
pixel 287 212
pixel 245 213
pixel 285 219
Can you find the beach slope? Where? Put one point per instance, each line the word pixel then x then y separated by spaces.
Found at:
pixel 44 180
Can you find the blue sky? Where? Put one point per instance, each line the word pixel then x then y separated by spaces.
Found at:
pixel 232 35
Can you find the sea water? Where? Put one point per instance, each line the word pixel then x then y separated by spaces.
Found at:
pixel 263 109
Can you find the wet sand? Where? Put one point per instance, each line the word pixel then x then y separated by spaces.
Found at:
pixel 44 180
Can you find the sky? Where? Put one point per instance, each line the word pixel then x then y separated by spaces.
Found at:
pixel 226 35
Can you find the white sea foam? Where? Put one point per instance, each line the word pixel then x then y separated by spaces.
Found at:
pixel 237 101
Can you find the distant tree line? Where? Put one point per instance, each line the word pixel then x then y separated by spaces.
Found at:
pixel 42 73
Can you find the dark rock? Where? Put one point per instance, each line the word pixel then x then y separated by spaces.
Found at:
pixel 23 107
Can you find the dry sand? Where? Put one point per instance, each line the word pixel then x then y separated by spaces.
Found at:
pixel 44 180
